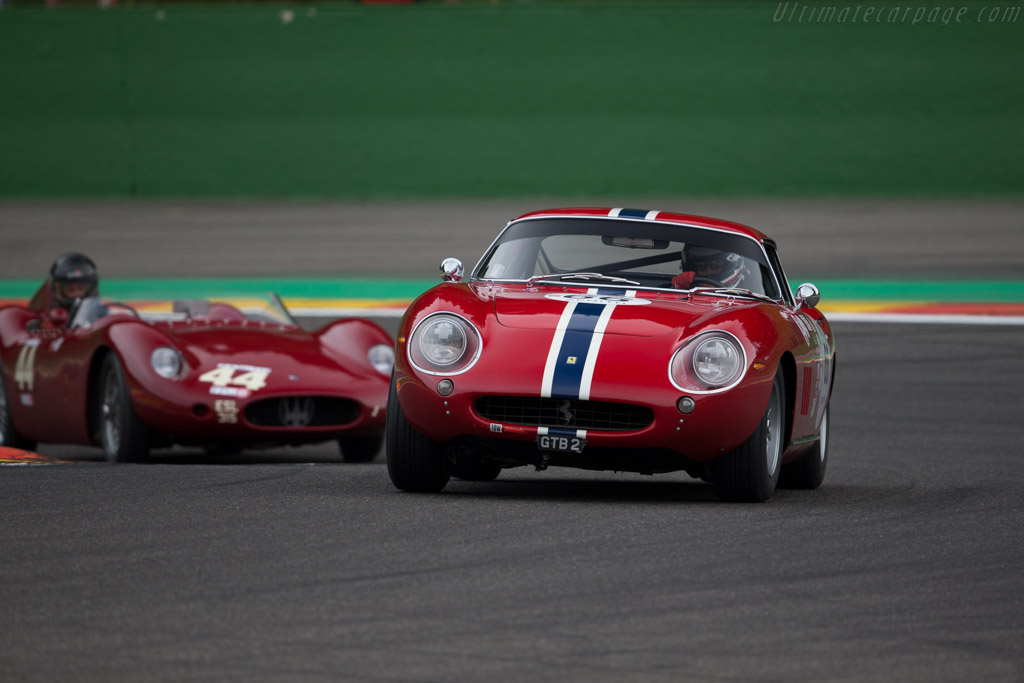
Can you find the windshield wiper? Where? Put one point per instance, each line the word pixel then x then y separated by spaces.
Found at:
pixel 732 291
pixel 579 276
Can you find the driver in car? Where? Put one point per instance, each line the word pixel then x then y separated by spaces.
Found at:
pixel 73 277
pixel 707 267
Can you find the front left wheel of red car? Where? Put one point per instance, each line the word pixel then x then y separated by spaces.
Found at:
pixel 750 473
pixel 123 435
pixel 415 463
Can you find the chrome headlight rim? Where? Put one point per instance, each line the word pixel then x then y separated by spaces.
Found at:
pixel 697 384
pixel 469 357
pixel 167 362
pixel 383 363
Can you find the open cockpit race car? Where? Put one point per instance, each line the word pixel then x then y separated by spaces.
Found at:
pixel 223 373
pixel 615 339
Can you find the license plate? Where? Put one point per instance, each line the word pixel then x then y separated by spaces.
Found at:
pixel 568 444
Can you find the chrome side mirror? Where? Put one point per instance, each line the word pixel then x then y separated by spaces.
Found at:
pixel 452 270
pixel 807 295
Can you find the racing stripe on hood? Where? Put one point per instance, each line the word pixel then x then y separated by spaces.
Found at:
pixel 569 370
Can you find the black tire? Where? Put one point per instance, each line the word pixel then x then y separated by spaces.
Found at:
pixel 468 468
pixel 123 435
pixel 9 436
pixel 360 448
pixel 415 463
pixel 809 471
pixel 750 473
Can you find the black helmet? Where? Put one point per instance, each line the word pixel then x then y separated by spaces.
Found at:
pixel 708 263
pixel 70 270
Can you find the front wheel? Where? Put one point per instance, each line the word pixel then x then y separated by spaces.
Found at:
pixel 9 436
pixel 751 472
pixel 415 463
pixel 809 471
pixel 123 435
pixel 360 448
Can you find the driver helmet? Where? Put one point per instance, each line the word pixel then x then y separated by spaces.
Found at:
pixel 713 264
pixel 73 276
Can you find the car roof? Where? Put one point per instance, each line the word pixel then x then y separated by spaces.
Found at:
pixel 650 215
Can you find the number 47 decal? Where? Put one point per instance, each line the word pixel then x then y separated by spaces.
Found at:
pixel 252 378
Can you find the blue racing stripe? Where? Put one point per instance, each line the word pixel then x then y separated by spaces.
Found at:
pixel 576 344
pixel 633 213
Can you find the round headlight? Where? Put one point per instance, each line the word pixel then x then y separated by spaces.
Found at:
pixel 167 362
pixel 717 361
pixel 444 344
pixel 382 358
pixel 442 341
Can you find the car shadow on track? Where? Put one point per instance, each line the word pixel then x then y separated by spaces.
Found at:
pixel 561 489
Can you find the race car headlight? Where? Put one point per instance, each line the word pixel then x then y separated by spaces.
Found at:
pixel 710 362
pixel 382 358
pixel 444 344
pixel 717 361
pixel 167 362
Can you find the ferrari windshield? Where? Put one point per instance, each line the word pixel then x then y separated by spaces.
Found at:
pixel 603 252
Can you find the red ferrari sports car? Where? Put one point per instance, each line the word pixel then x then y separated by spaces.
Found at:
pixel 615 339
pixel 224 374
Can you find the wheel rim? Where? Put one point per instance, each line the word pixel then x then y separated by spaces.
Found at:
pixel 111 414
pixel 823 437
pixel 773 432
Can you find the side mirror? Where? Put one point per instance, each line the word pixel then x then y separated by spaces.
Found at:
pixel 807 295
pixel 452 270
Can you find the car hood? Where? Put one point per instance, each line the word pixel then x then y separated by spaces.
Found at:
pixel 643 314
pixel 289 352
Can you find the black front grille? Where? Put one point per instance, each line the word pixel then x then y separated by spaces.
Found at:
pixel 563 412
pixel 302 411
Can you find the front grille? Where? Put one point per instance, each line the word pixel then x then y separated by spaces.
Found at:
pixel 564 412
pixel 298 412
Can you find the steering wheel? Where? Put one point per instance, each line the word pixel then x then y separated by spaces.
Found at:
pixel 706 282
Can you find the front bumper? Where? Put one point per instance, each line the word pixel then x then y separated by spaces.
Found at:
pixel 265 418
pixel 718 423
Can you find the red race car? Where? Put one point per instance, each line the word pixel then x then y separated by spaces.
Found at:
pixel 615 339
pixel 225 374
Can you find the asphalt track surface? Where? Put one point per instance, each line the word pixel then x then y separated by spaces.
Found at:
pixel 288 565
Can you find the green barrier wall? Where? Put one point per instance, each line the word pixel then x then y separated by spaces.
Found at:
pixel 512 99
pixel 992 291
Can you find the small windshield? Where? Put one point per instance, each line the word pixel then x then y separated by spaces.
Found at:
pixel 86 312
pixel 645 253
pixel 267 308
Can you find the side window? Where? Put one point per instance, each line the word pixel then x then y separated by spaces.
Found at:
pixel 773 258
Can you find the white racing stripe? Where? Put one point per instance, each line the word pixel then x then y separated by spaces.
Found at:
pixel 595 346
